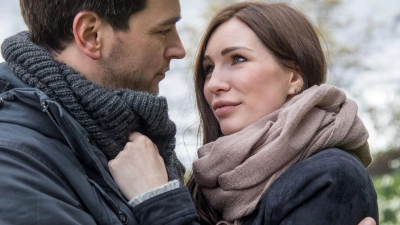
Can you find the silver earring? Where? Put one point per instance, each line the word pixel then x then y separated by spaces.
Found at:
pixel 299 88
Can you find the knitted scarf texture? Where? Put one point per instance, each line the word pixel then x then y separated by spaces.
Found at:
pixel 236 170
pixel 108 115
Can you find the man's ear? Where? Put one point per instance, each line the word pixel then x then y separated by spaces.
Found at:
pixel 296 84
pixel 86 28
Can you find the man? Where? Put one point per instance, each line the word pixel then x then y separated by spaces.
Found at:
pixel 67 109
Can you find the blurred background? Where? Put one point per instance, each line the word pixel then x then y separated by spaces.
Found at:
pixel 361 39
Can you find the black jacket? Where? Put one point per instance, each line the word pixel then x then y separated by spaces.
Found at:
pixel 52 173
pixel 331 187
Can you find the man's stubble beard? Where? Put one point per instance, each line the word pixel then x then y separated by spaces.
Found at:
pixel 115 75
pixel 125 80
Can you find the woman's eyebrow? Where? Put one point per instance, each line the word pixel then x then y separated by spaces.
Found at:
pixel 207 58
pixel 230 49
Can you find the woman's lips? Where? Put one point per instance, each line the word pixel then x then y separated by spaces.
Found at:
pixel 222 108
pixel 222 111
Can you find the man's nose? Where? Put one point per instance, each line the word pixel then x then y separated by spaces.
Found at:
pixel 175 49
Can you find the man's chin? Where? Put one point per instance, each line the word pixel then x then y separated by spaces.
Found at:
pixel 151 91
pixel 155 93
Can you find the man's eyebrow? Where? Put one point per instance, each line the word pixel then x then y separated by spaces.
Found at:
pixel 170 21
pixel 231 49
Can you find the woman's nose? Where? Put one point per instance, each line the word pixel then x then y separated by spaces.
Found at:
pixel 218 82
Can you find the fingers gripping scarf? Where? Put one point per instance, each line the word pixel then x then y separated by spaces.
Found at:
pixel 236 170
pixel 109 116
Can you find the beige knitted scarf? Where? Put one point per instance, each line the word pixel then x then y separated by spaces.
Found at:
pixel 235 170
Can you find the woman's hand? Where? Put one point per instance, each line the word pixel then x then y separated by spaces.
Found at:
pixel 367 221
pixel 139 167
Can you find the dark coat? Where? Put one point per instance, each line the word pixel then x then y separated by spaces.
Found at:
pixel 330 188
pixel 52 172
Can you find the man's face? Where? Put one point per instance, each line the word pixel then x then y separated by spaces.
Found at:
pixel 139 58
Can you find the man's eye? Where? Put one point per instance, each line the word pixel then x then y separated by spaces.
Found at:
pixel 164 32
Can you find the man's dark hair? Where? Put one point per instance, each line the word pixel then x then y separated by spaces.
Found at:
pixel 50 21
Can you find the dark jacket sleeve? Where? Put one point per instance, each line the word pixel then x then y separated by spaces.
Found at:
pixel 331 187
pixel 33 193
pixel 173 207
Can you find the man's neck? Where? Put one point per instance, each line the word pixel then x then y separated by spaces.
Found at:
pixel 74 58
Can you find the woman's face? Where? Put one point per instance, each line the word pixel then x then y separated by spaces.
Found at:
pixel 243 82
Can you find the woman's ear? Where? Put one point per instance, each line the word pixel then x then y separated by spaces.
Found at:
pixel 86 28
pixel 296 84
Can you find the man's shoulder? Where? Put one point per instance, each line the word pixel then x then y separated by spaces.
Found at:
pixel 8 80
pixel 5 72
pixel 26 145
pixel 27 133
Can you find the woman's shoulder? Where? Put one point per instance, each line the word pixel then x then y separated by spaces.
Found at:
pixel 325 186
pixel 332 160
pixel 333 167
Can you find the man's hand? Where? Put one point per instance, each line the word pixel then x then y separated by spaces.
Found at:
pixel 367 221
pixel 139 167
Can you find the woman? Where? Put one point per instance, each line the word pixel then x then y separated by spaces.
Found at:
pixel 280 147
pixel 276 139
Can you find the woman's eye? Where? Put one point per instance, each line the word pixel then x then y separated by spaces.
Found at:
pixel 208 69
pixel 238 59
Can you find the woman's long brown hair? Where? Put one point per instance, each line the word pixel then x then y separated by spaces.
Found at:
pixel 291 39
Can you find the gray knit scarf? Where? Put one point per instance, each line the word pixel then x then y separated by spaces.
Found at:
pixel 109 116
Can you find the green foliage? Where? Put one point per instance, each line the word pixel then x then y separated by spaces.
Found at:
pixel 386 119
pixel 388 190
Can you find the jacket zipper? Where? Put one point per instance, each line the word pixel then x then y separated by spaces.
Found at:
pixel 115 208
pixel 46 109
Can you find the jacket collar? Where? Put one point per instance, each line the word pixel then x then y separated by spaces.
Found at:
pixel 8 80
pixel 37 106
